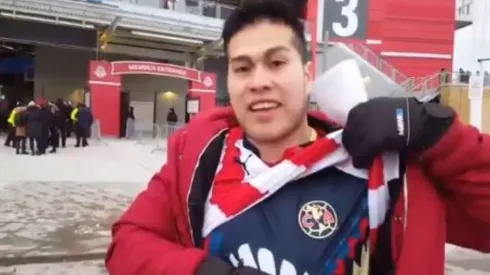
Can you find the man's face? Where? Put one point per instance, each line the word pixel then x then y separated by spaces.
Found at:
pixel 267 81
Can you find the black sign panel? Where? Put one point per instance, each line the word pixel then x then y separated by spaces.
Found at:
pixel 56 35
pixel 346 18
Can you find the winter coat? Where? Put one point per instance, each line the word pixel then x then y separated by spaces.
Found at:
pixel 34 123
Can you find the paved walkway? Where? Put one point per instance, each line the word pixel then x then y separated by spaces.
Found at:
pixel 58 208
pixel 70 268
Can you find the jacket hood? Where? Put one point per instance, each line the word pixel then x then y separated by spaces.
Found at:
pixel 19 109
pixel 32 107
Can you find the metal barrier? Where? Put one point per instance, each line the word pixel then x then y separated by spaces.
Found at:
pixel 150 134
pixel 374 59
pixel 96 134
pixel 462 78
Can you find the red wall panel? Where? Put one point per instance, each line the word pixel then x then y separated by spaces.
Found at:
pixel 418 67
pixel 402 26
pixel 376 18
pixel 413 26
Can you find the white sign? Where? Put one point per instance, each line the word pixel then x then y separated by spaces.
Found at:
pixel 348 11
pixel 193 106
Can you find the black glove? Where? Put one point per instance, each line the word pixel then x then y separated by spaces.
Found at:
pixel 216 266
pixel 393 124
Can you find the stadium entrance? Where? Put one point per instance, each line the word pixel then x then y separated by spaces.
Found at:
pixel 108 100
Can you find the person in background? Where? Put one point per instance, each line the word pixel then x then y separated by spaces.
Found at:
pixel 20 130
pixel 172 119
pixel 83 118
pixel 11 130
pixel 131 113
pixel 467 76
pixel 444 77
pixel 62 120
pixel 54 127
pixel 34 128
pixel 47 120
pixel 4 114
pixel 67 112
pixel 74 118
pixel 461 75
pixel 130 124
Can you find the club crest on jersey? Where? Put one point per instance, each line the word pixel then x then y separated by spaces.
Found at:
pixel 317 219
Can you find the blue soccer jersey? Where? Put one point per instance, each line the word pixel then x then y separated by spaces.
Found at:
pixel 316 225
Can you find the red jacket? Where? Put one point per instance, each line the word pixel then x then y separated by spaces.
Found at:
pixel 156 235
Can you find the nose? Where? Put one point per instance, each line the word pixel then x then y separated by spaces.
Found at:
pixel 260 80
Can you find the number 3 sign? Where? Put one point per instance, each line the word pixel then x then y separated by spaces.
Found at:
pixel 346 18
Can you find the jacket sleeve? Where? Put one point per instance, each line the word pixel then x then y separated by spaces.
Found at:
pixel 145 239
pixel 460 165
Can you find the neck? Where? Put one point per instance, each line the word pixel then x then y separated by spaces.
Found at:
pixel 273 151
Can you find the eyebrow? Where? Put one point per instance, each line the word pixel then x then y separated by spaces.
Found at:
pixel 268 52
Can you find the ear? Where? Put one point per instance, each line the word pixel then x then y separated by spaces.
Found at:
pixel 308 77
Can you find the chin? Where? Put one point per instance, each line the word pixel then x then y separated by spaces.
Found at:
pixel 265 133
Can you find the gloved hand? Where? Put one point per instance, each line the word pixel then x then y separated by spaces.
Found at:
pixel 393 124
pixel 216 266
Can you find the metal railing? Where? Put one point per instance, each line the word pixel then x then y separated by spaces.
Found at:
pixel 96 133
pixel 463 78
pixel 380 64
pixel 420 87
pixel 153 135
pixel 197 7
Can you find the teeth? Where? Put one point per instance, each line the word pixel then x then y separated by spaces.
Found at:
pixel 264 105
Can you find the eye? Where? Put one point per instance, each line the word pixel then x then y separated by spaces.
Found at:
pixel 277 63
pixel 241 69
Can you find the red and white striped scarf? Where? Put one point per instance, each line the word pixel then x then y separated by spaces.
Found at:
pixel 235 191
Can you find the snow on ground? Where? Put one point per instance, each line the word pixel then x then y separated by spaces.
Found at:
pixel 108 161
pixel 64 204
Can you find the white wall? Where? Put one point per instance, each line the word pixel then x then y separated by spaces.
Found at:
pixel 463 50
pixel 143 88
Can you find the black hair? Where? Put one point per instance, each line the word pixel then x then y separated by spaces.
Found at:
pixel 276 11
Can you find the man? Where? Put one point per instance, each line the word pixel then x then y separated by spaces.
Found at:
pixel 214 207
pixel 47 121
pixel 56 123
pixel 11 124
pixel 83 119
pixel 34 128
pixel 172 120
pixel 62 120
pixel 444 77
pixel 20 130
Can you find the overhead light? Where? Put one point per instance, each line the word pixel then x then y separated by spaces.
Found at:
pixel 7 47
pixel 46 20
pixel 167 37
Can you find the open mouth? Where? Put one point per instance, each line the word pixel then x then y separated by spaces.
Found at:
pixel 264 106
